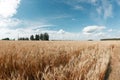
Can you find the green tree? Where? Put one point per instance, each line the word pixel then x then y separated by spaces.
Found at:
pixel 37 37
pixel 46 36
pixel 22 38
pixel 41 37
pixel 6 39
pixel 27 38
pixel 32 37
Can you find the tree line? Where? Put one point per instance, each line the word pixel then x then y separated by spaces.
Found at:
pixel 42 36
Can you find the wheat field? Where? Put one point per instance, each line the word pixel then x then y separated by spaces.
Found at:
pixel 59 60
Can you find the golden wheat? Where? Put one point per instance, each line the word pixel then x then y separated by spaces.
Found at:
pixel 53 60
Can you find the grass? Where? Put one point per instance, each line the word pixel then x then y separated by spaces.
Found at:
pixel 54 60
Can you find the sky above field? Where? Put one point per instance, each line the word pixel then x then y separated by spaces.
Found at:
pixel 62 19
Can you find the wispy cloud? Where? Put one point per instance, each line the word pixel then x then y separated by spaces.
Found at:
pixel 100 34
pixel 62 16
pixel 99 10
pixel 9 22
pixel 24 28
pixel 104 8
pixel 118 2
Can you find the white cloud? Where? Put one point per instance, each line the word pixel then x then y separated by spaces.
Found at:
pixel 64 35
pixel 8 8
pixel 9 22
pixel 23 28
pixel 61 31
pixel 110 30
pixel 92 29
pixel 100 34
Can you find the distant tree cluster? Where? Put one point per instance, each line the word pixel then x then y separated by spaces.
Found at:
pixel 5 39
pixel 110 39
pixel 22 38
pixel 42 36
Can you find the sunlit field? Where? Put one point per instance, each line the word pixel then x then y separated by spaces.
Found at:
pixel 59 60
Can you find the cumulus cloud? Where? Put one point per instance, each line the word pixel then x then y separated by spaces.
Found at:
pixel 99 32
pixel 92 29
pixel 61 31
pixel 55 35
pixel 8 8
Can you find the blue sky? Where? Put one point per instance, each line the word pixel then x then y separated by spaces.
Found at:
pixel 62 19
